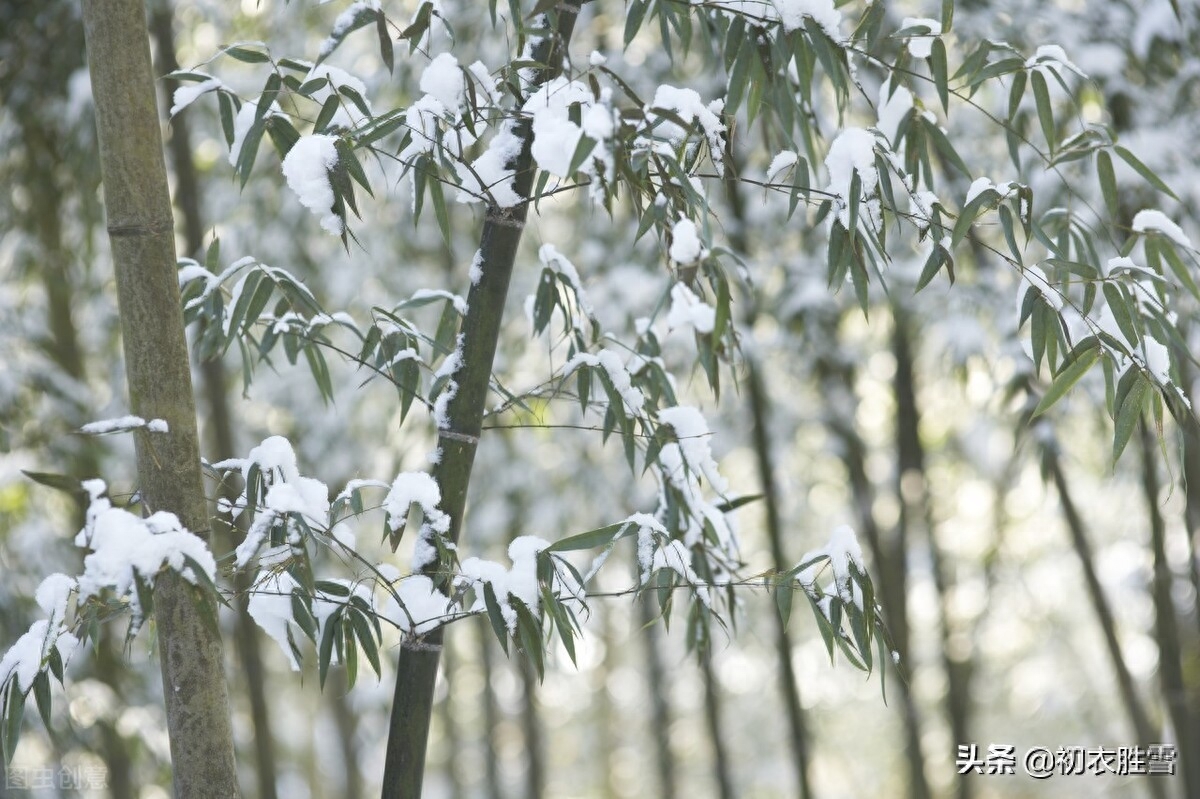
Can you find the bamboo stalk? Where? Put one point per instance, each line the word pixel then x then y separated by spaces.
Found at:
pixel 142 237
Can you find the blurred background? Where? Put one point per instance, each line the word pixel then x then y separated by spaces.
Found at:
pixel 1038 595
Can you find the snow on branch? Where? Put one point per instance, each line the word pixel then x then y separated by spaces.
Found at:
pixel 123 424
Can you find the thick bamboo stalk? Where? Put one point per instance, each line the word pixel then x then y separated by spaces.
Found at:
pixel 141 233
pixel 418 663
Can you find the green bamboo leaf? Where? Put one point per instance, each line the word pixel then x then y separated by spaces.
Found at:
pixel 13 714
pixel 947 15
pixel 366 638
pixel 1145 171
pixel 245 54
pixel 1015 94
pixel 943 146
pixel 937 66
pixel 1108 182
pixel 1041 95
pixel 1068 377
pixel 303 616
pixel 269 93
pixel 784 593
pixel 1128 414
pixel 225 102
pixel 41 693
pixel 499 626
pixel 333 625
pixel 1119 303
pixel 1180 270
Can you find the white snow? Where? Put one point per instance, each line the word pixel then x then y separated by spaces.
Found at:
pixel 242 123
pixel 483 77
pixel 444 80
pixel 271 608
pixel 341 25
pixel 685 243
pixel 1034 277
pixel 451 365
pixel 475 272
pixel 1158 359
pixel 125 546
pixel 781 163
pixel 841 550
pixel 31 653
pixel 980 185
pixel 189 270
pixel 348 114
pixel 460 305
pixel 822 12
pixel 550 257
pixel 420 489
pixel 518 582
pixel 52 595
pixel 597 59
pixel 186 94
pixel 1148 220
pixel 306 167
pixel 491 174
pixel 687 105
pixel 1052 57
pixel 631 397
pixel 123 424
pixel 556 137
pixel 421 608
pixel 287 492
pixel 921 45
pixel 853 151
pixel 692 431
pixel 688 310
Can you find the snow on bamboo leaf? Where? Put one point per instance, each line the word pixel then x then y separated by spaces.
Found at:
pixel 688 310
pixel 306 167
pixel 841 551
pixel 31 653
pixel 187 94
pixel 687 107
pixel 287 492
pixel 920 42
pixel 686 247
pixel 793 12
pixel 631 397
pixel 853 152
pixel 518 582
pixel 420 489
pixel 693 434
pixel 125 548
pixel 1152 221
pixel 417 607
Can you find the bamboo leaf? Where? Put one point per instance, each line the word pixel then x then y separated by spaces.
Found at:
pixel 1108 182
pixel 1041 96
pixel 1145 171
pixel 1068 377
pixel 1128 414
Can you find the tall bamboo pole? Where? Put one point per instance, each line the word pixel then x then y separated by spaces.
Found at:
pixel 417 668
pixel 142 237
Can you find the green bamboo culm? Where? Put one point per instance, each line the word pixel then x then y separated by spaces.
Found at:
pixel 142 237
pixel 416 670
